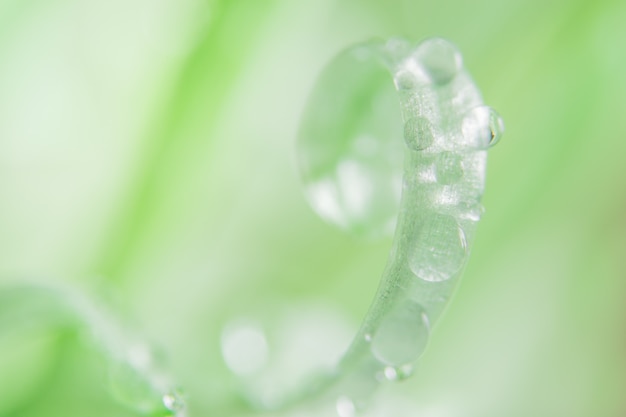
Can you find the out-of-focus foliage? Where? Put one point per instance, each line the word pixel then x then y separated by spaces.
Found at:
pixel 146 147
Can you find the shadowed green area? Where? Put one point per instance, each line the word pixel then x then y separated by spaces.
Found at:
pixel 147 149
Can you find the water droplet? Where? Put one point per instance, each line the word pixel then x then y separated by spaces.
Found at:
pixel 391 374
pixel 439 249
pixel 482 127
pixel 418 133
pixel 449 168
pixel 173 401
pixel 244 347
pixel 399 373
pixel 357 385
pixel 368 337
pixel 345 407
pixel 402 335
pixel 405 80
pixel 440 60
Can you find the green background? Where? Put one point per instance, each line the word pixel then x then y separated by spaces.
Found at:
pixel 147 153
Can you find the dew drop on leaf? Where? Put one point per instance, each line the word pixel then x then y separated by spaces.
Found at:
pixel 439 248
pixel 482 127
pixel 402 335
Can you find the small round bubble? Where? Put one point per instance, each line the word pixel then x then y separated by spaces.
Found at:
pixel 418 133
pixel 391 374
pixel 405 80
pixel 439 249
pixel 482 127
pixel 401 337
pixel 400 373
pixel 439 59
pixel 173 402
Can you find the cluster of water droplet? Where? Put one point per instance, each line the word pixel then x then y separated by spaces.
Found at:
pixel 446 131
pixel 376 159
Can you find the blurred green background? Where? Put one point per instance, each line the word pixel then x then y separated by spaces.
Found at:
pixel 147 151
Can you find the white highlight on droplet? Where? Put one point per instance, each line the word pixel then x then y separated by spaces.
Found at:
pixel 345 407
pixel 173 402
pixel 390 373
